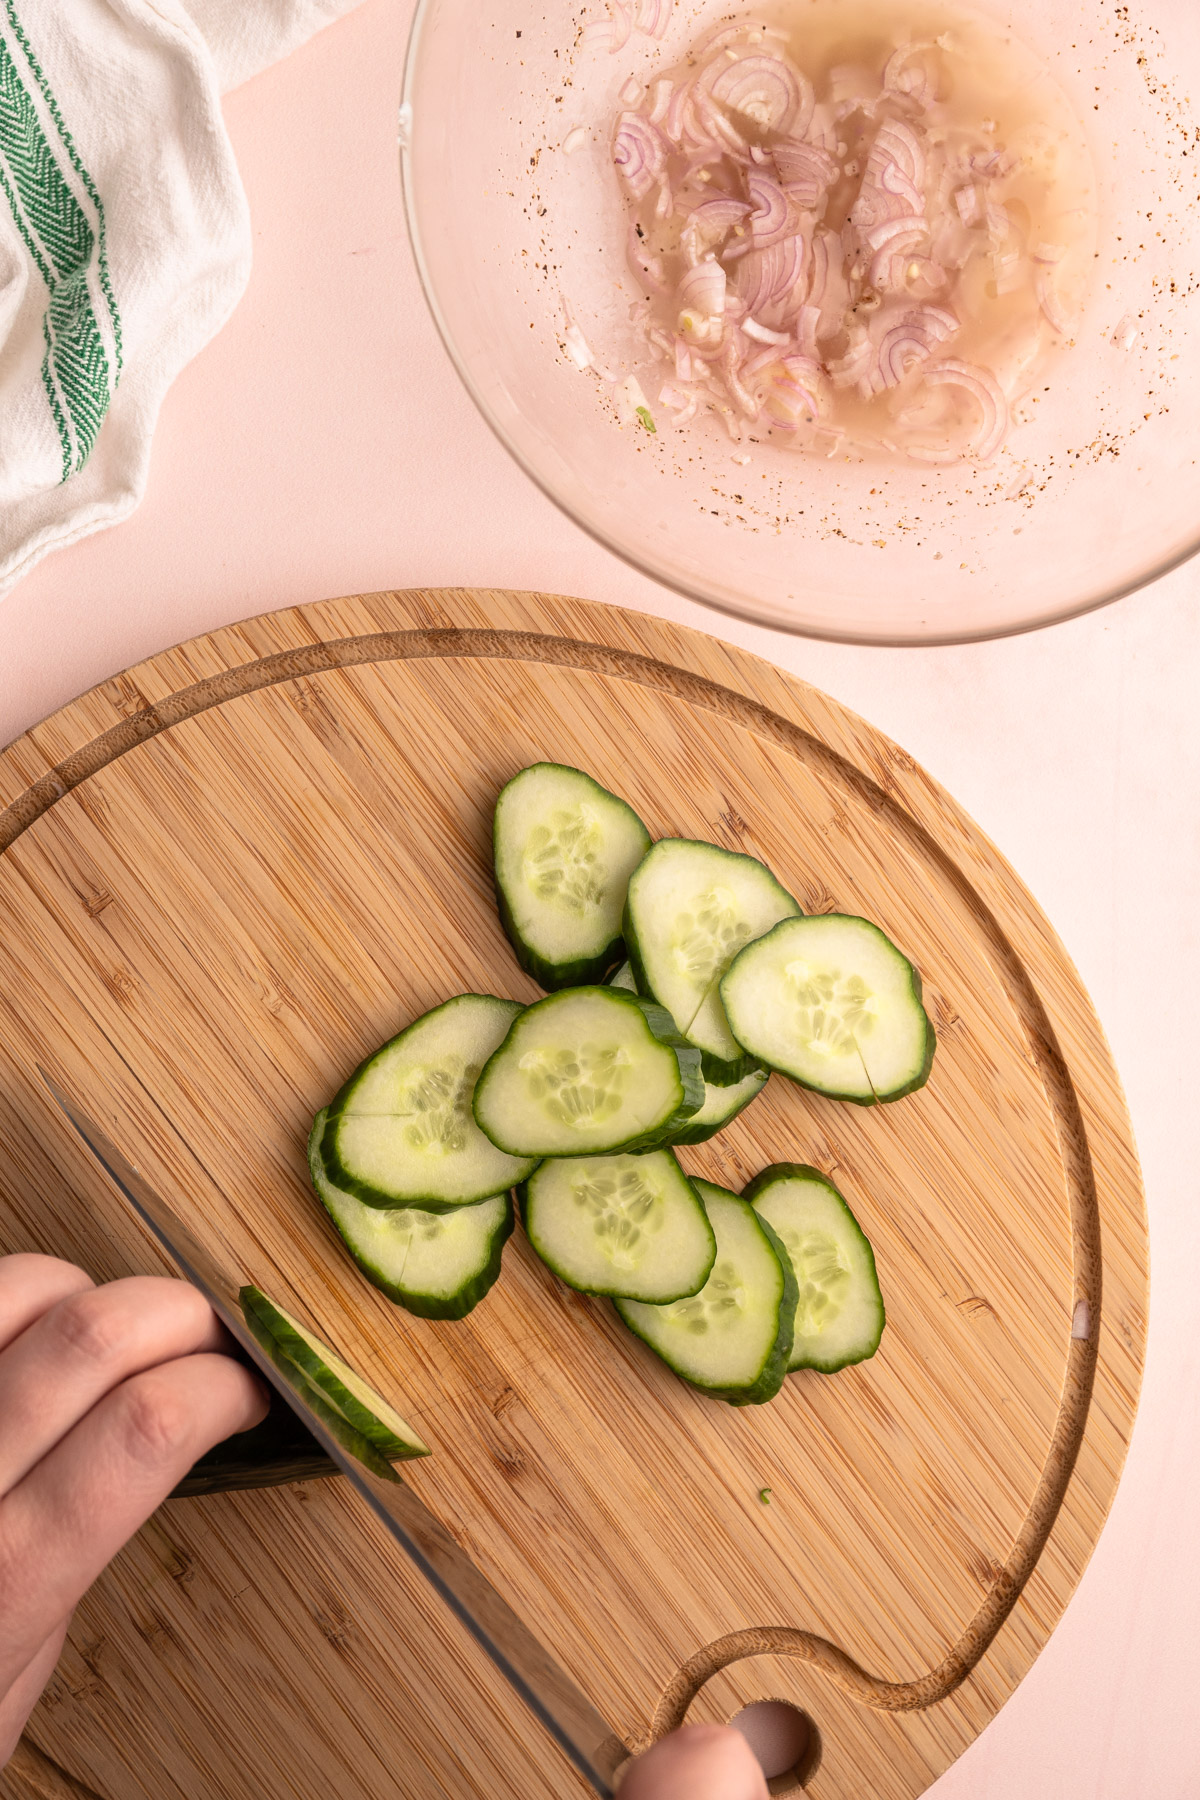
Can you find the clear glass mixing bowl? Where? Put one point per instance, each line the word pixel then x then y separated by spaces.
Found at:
pixel 1093 497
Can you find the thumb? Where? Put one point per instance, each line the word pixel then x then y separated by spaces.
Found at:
pixel 699 1762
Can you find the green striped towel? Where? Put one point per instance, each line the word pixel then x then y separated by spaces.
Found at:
pixel 124 237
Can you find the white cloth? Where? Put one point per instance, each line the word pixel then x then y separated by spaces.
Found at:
pixel 124 237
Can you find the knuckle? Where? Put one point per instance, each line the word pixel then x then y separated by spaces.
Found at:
pixel 27 1264
pixel 89 1326
pixel 155 1420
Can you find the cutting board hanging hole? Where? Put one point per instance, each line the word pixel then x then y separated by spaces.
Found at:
pixel 785 1741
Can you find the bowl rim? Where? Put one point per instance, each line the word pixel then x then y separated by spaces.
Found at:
pixel 714 598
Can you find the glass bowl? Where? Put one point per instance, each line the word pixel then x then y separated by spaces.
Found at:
pixel 1092 496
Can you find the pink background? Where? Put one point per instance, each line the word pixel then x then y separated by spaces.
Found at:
pixel 322 445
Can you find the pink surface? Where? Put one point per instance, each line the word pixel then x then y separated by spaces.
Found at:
pixel 321 445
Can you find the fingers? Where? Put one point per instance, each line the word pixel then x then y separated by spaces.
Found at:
pixel 30 1286
pixel 699 1762
pixel 74 1510
pixel 22 1696
pixel 87 1342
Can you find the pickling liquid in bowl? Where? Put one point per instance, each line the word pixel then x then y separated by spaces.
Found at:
pixel 994 276
pixel 521 228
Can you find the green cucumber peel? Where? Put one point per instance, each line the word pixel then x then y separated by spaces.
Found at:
pixel 629 1226
pixel 669 1331
pixel 722 1101
pixel 401 1132
pixel 360 1419
pixel 831 1002
pixel 714 897
pixel 840 1314
pixel 396 1249
pixel 563 848
pixel 715 1071
pixel 773 1375
pixel 588 1071
pixel 721 1107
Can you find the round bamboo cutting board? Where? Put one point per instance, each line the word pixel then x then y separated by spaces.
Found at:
pixel 229 874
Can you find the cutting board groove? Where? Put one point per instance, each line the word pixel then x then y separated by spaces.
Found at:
pixel 221 848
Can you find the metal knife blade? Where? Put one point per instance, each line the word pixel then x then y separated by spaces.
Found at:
pixel 525 1663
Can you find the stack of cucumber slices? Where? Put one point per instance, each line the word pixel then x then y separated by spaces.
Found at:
pixel 679 975
pixel 358 1418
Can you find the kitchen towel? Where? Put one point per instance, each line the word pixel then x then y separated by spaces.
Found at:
pixel 124 237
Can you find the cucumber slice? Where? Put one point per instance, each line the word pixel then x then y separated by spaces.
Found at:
pixel 361 1419
pixel 721 1104
pixel 401 1131
pixel 586 1071
pixel 830 1001
pixel 734 1338
pixel 691 908
pixel 564 849
pixel 336 1423
pixel 437 1265
pixel 839 1313
pixel 629 1225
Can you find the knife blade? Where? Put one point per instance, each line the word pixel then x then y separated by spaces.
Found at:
pixel 524 1662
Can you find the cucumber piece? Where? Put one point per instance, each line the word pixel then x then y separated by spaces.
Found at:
pixel 586 1071
pixel 721 1104
pixel 629 1225
pixel 336 1423
pixel 401 1131
pixel 564 849
pixel 839 1313
pixel 830 1001
pixel 437 1265
pixel 361 1419
pixel 691 908
pixel 734 1338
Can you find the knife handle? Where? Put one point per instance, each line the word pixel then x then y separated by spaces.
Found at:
pixel 277 1450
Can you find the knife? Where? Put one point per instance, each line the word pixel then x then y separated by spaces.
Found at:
pixel 547 1690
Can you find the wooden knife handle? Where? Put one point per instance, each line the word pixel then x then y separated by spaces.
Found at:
pixel 29 1775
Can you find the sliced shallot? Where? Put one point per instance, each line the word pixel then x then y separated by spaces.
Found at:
pixel 770 219
pixel 766 90
pixel 768 280
pixel 807 259
pixel 682 402
pixel 577 347
pixel 622 25
pixel 907 344
pixel 908 72
pixel 653 17
pixel 806 171
pixel 792 395
pixel 702 300
pixel 639 153
pixel 662 92
pixel 989 397
pixel 762 335
pixel 1048 300
pixel 707 224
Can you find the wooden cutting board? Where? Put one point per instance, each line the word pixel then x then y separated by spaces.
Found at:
pixel 235 870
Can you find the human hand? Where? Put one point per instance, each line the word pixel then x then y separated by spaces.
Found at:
pixel 698 1762
pixel 107 1397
